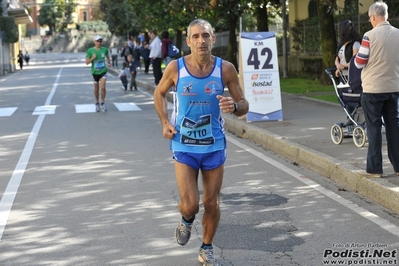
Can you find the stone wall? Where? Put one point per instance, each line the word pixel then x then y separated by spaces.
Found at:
pixel 72 42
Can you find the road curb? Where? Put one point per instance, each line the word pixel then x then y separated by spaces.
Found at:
pixel 340 172
pixel 379 190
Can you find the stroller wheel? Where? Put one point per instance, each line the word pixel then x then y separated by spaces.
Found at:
pixel 359 136
pixel 337 134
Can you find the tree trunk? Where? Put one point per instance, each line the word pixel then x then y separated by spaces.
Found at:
pixel 328 40
pixel 285 29
pixel 51 29
pixel 262 18
pixel 232 46
pixel 179 39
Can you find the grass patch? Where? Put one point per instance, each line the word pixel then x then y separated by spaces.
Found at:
pixel 309 88
pixel 303 86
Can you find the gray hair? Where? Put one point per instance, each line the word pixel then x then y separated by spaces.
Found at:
pixel 379 9
pixel 201 22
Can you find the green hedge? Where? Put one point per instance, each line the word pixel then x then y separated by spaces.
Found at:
pixel 306 36
pixel 92 25
pixel 7 24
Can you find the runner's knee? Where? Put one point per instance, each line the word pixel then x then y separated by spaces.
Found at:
pixel 211 204
pixel 189 209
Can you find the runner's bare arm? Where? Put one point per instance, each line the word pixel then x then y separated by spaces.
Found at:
pixel 160 101
pixel 89 60
pixel 230 79
pixel 108 60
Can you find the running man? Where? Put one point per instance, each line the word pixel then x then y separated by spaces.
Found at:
pixel 96 56
pixel 196 130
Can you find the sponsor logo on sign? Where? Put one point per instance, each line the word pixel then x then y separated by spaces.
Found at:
pixel 262 92
pixel 261 83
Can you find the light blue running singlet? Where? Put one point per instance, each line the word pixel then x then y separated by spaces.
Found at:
pixel 196 113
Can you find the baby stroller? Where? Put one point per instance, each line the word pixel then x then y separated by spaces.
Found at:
pixel 349 95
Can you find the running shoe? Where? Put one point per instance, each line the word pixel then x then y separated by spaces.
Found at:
pixel 207 257
pixel 97 107
pixel 104 107
pixel 183 233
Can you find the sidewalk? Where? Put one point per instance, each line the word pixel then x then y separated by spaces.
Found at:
pixel 304 138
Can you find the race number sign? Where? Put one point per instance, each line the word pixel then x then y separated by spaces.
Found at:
pixel 259 76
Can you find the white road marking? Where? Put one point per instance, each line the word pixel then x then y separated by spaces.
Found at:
pixel 85 108
pixel 122 107
pixel 11 190
pixel 7 111
pixel 79 108
pixel 393 229
pixel 44 110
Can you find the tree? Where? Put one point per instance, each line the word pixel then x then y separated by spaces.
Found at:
pixel 230 11
pixel 69 9
pixel 328 41
pixel 10 29
pixel 56 14
pixel 144 15
pixel 262 18
pixel 120 20
pixel 285 30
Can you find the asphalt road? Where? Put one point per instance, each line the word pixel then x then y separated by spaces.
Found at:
pixel 86 188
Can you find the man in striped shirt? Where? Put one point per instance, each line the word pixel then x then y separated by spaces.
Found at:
pixel 378 56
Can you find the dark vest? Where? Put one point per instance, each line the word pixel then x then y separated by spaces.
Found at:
pixel 348 50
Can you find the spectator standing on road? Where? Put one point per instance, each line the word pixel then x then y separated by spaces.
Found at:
pixel 126 50
pixel 114 55
pixel 196 131
pixel 348 46
pixel 145 54
pixel 130 42
pixel 27 58
pixel 156 56
pixel 123 74
pixel 133 72
pixel 165 43
pixel 20 59
pixel 137 54
pixel 96 56
pixel 378 56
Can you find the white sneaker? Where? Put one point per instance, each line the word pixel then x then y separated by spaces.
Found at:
pixel 207 257
pixel 104 107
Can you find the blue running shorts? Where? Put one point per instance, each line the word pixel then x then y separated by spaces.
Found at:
pixel 204 161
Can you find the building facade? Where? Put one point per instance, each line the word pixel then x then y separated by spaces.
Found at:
pixel 85 10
